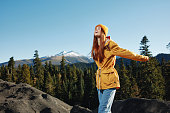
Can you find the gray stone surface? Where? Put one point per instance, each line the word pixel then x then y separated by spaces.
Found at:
pixel 139 105
pixel 22 98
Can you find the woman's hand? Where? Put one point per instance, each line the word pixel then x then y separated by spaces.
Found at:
pixel 147 58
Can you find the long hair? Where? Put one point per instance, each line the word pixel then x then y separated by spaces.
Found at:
pixel 98 51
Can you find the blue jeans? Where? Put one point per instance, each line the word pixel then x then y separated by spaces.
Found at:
pixel 106 98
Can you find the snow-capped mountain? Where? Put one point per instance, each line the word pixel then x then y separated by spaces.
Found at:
pixel 70 53
pixel 71 57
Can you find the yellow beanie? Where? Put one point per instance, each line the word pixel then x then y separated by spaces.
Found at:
pixel 105 29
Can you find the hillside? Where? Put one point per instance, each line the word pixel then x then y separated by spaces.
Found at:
pixel 162 55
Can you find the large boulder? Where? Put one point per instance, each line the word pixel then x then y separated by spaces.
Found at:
pixel 139 105
pixel 22 98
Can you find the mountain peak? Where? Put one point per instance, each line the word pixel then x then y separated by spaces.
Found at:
pixel 69 53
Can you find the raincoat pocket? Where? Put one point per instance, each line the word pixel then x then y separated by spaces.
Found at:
pixel 108 78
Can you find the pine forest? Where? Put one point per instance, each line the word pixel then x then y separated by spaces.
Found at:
pixel 77 86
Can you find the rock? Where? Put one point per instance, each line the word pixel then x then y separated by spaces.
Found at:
pixel 22 98
pixel 140 105
pixel 79 109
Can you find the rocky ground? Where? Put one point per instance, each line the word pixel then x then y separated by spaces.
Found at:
pixel 22 98
pixel 139 105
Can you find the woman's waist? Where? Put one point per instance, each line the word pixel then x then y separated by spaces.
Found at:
pixel 106 70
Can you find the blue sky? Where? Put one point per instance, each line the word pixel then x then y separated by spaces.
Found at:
pixel 52 26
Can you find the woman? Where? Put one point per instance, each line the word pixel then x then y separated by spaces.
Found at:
pixel 104 52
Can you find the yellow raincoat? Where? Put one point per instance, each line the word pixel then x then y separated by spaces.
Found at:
pixel 106 75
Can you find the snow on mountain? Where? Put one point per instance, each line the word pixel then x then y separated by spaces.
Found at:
pixel 70 53
pixel 45 57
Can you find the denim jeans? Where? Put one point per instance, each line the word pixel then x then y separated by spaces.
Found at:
pixel 106 98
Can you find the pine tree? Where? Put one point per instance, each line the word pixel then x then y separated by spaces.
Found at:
pixel 32 76
pixel 152 82
pixel 25 74
pixel 80 85
pixel 56 69
pixel 165 67
pixel 74 85
pixel 54 83
pixel 58 88
pixel 49 84
pixel 89 89
pixel 3 72
pixel 94 94
pixel 55 78
pixel 63 70
pixel 65 93
pixel 12 70
pixel 144 47
pixel 7 75
pixel 70 84
pixel 51 71
pixel 124 91
pixel 132 73
pixel 19 74
pixel 64 80
pixel 46 71
pixel 74 74
pixel 38 70
pixel 68 73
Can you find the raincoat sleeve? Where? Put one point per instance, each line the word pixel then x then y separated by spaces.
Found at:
pixel 116 50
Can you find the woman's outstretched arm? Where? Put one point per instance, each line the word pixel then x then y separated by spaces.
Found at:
pixel 116 50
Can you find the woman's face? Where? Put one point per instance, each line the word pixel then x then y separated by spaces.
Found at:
pixel 98 31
